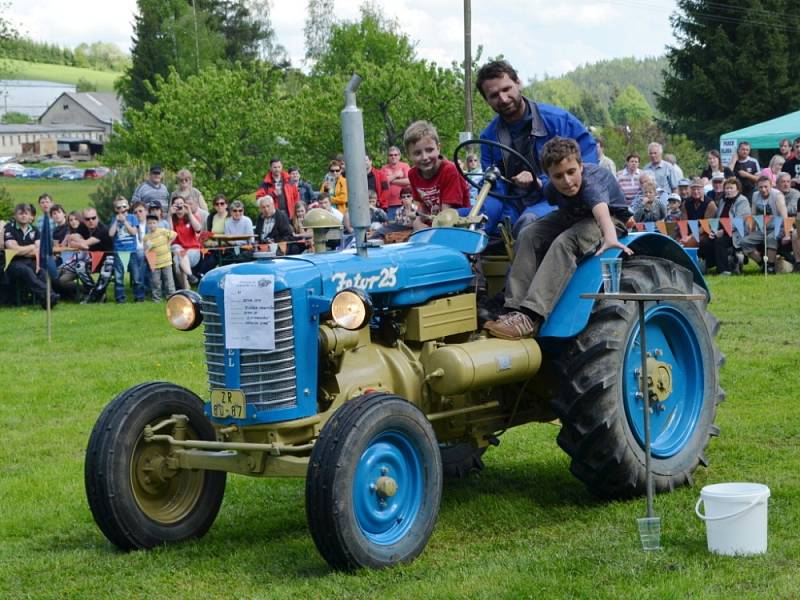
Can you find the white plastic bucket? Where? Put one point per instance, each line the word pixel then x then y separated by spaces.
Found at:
pixel 736 517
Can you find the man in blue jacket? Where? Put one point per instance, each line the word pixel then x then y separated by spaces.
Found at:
pixel 525 126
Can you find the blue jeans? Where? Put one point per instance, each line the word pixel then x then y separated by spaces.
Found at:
pixel 136 269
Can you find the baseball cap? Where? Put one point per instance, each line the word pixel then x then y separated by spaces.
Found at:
pixel 718 176
pixel 155 204
pixel 673 198
pixel 155 168
pixel 152 217
pixel 697 182
pixel 683 182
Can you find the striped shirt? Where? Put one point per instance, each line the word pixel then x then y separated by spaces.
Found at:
pixel 629 183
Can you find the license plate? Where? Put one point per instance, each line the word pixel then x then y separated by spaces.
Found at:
pixel 228 403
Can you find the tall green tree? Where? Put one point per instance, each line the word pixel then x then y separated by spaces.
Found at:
pixel 733 65
pixel 630 107
pixel 188 36
pixel 320 17
pixel 398 88
pixel 220 123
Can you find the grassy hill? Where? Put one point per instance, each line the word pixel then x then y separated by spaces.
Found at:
pixel 104 80
pixel 607 78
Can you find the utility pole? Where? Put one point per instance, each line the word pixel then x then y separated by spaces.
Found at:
pixel 468 67
pixel 196 39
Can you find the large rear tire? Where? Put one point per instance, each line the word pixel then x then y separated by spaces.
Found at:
pixel 374 484
pixel 135 498
pixel 601 415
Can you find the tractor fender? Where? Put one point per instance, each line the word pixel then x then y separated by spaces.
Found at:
pixel 571 313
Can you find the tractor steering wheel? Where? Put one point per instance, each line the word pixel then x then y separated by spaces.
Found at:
pixel 493 172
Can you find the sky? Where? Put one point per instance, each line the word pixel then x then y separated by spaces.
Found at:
pixel 539 37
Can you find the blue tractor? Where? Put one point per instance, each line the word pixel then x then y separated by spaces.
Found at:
pixel 366 372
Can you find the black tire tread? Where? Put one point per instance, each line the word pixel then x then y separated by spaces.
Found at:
pixel 586 406
pixel 326 459
pixel 101 492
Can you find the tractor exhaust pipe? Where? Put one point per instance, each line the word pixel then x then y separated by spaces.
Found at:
pixel 354 156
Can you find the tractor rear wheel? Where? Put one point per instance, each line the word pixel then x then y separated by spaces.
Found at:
pixel 601 414
pixel 137 499
pixel 374 483
pixel 461 459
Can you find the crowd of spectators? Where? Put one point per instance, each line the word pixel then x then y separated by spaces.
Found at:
pixel 740 192
pixel 165 239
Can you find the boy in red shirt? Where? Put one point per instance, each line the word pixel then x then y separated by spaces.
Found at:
pixel 434 180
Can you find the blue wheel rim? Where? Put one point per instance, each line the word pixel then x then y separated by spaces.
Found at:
pixel 389 454
pixel 673 422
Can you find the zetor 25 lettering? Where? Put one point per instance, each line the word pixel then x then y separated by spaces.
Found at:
pixel 385 279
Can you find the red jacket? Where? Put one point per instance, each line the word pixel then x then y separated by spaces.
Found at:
pixel 290 191
pixel 379 187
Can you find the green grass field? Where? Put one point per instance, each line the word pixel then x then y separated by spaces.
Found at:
pixel 104 80
pixel 72 195
pixel 523 528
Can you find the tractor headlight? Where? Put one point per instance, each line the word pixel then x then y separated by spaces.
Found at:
pixel 351 309
pixel 183 310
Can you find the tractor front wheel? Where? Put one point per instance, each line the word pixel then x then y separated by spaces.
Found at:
pixel 136 497
pixel 374 484
pixel 599 405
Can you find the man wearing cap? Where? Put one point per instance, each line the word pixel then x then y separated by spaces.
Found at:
pixel 683 189
pixel 664 173
pixel 674 208
pixel 153 189
pixel 698 205
pixel 716 192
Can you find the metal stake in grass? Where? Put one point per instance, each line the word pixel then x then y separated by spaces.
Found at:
pixel 650 526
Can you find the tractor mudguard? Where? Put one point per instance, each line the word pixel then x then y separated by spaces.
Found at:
pixel 571 313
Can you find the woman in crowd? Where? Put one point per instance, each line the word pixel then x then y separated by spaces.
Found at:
pixel 714 166
pixel 239 224
pixel 719 247
pixel 186 246
pixel 775 166
pixel 335 185
pixel 628 177
pixel 187 191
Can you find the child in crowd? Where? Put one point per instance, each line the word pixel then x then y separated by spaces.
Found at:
pixel 157 244
pixel 592 211
pixel 377 216
pixel 434 180
pixel 407 213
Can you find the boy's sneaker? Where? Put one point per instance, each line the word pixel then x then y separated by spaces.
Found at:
pixel 513 326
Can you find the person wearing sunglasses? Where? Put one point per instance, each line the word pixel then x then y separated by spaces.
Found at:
pixel 92 235
pixel 188 192
pixel 239 224
pixel 124 230
pixel 153 189
pixel 334 185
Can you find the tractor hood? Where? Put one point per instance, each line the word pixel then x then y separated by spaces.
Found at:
pixel 396 275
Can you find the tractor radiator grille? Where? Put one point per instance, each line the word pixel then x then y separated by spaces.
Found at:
pixel 267 378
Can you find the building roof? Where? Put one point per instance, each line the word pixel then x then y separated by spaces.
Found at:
pixel 7 129
pixel 104 106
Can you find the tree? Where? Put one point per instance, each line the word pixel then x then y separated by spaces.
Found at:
pixel 733 65
pixel 317 30
pixel 630 107
pixel 8 34
pixel 188 36
pixel 219 123
pixel 84 85
pixel 398 89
